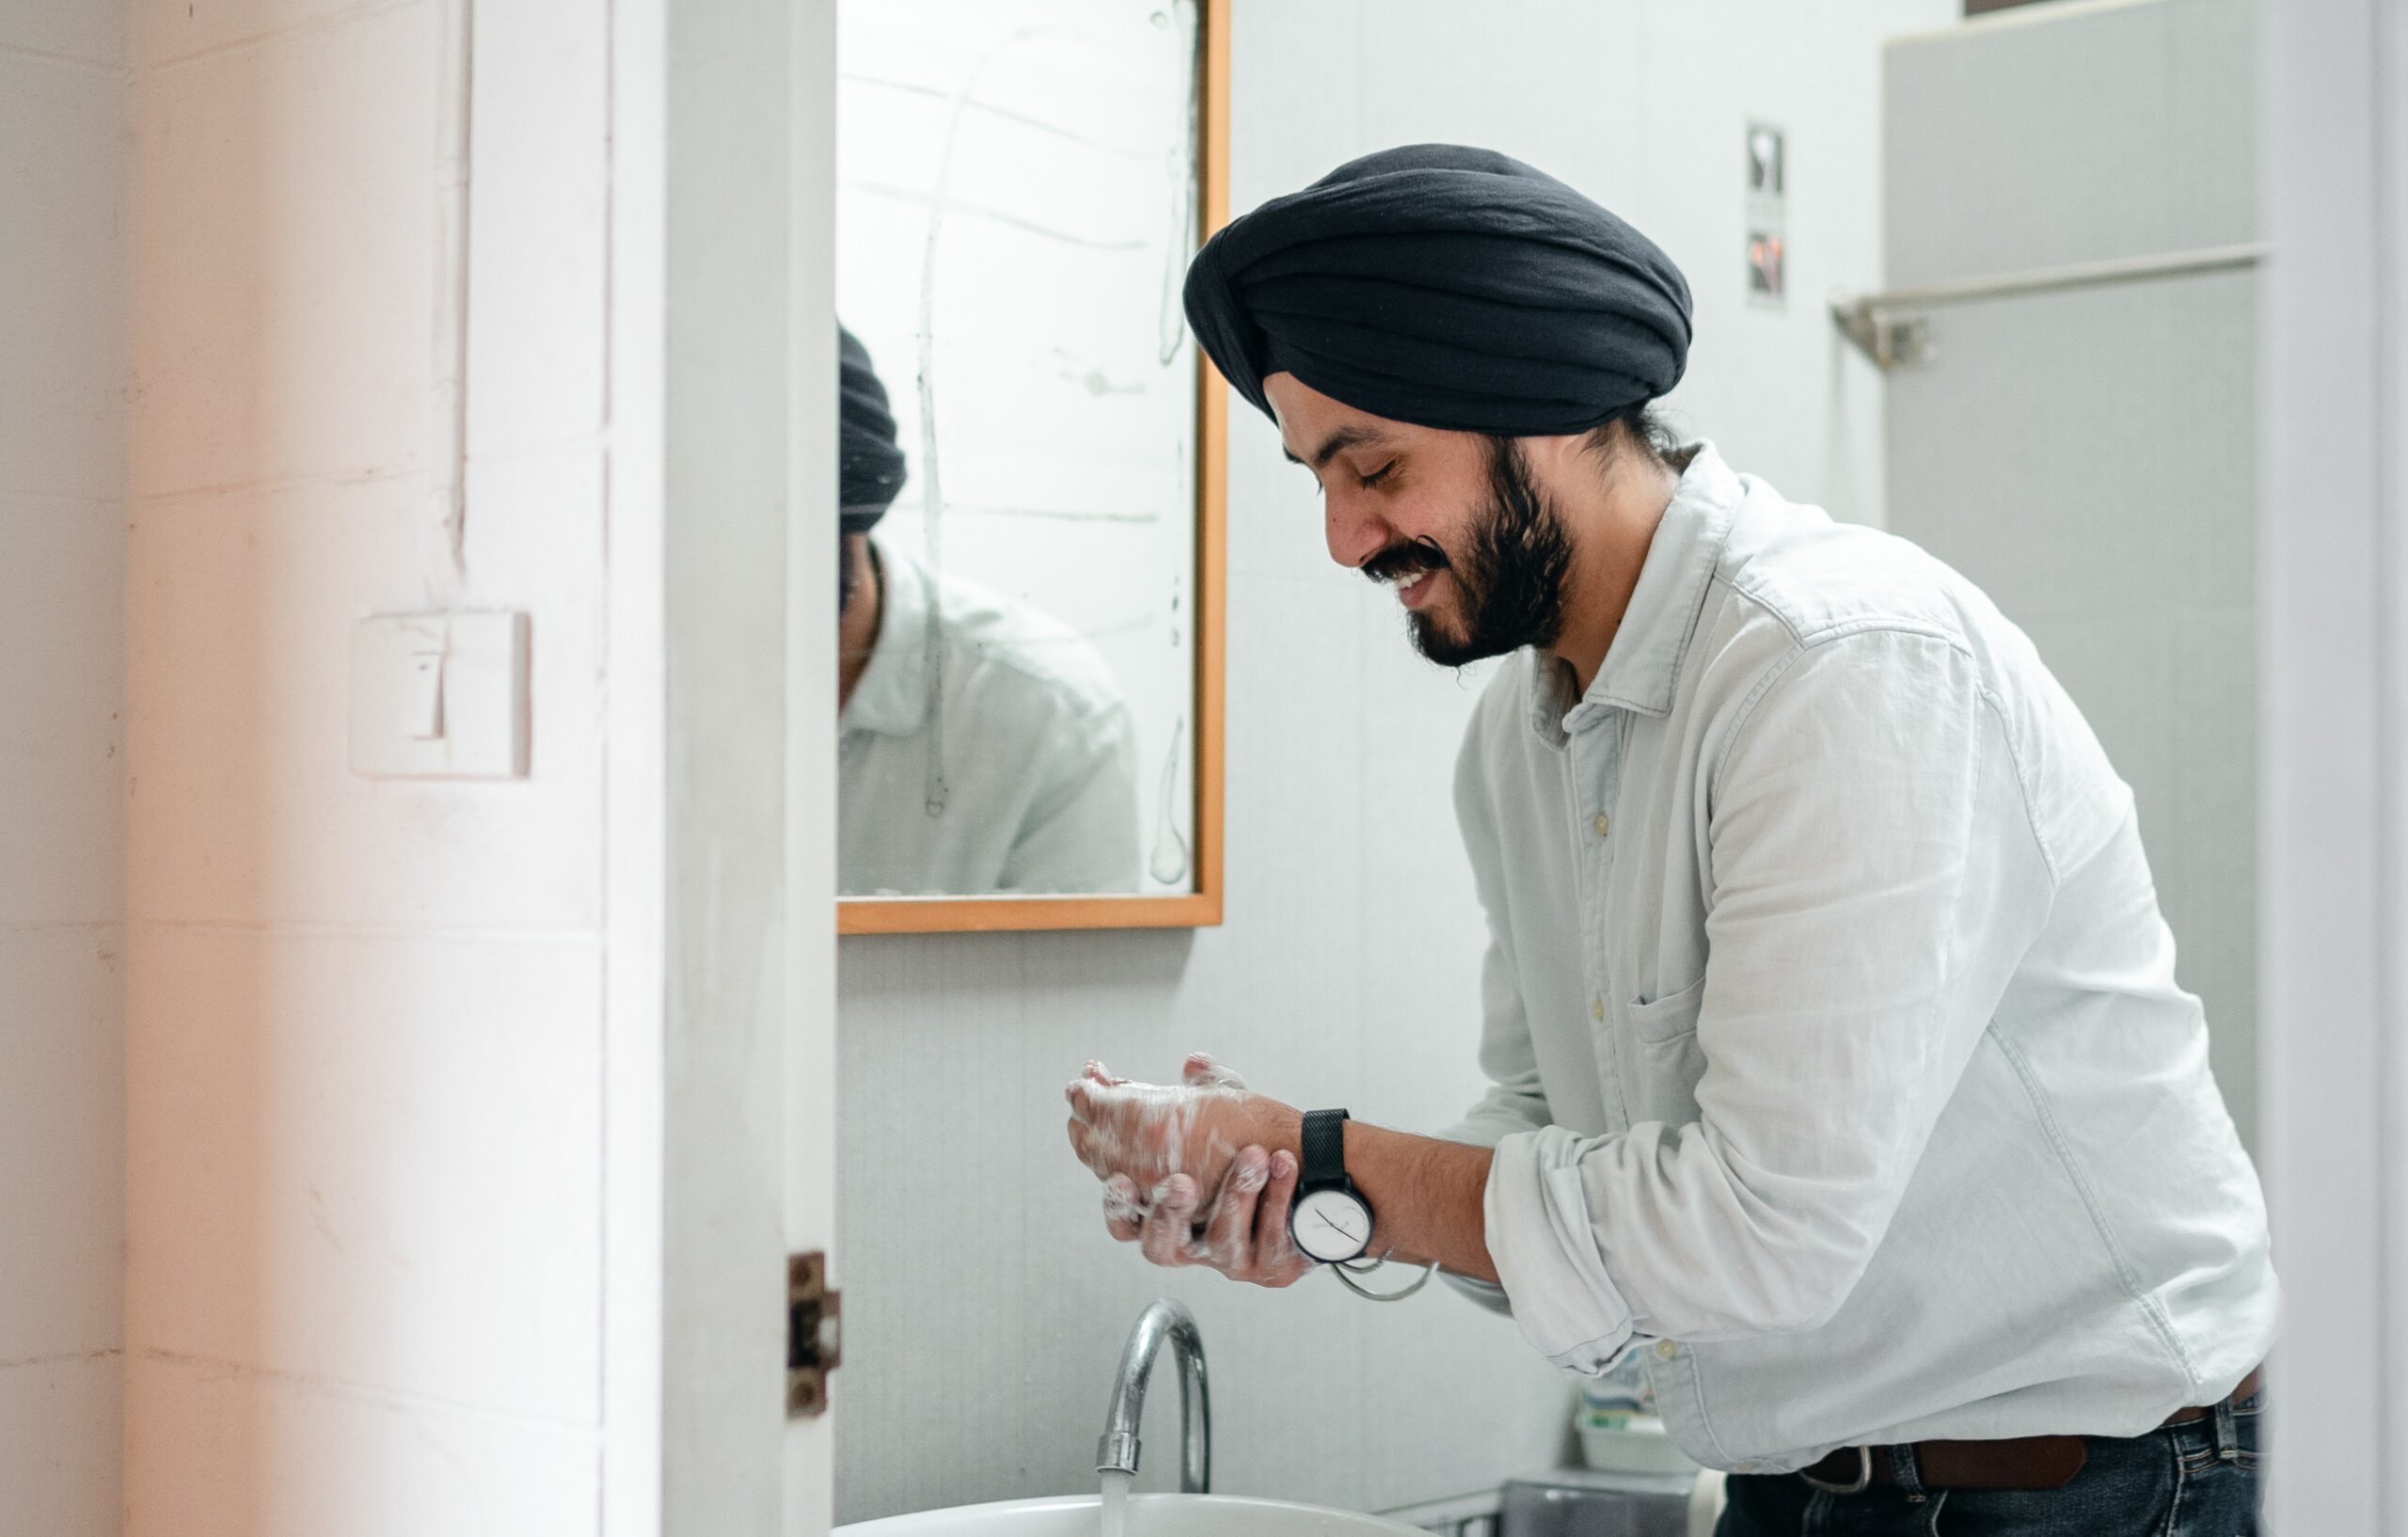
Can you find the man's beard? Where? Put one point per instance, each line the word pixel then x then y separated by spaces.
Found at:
pixel 1510 577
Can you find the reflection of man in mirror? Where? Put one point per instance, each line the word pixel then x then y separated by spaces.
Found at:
pixel 1764 174
pixel 1839 1065
pixel 985 747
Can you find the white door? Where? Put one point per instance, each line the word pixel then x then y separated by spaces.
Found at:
pixel 811 650
pixel 742 271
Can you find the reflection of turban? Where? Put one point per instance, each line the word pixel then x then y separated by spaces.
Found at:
pixel 1446 287
pixel 869 466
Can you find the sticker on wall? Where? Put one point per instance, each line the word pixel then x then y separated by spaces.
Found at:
pixel 1767 217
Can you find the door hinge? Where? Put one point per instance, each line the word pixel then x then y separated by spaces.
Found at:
pixel 815 1333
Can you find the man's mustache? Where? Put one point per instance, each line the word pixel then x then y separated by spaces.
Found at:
pixel 1405 560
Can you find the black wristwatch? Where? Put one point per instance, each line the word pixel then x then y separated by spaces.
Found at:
pixel 1330 1220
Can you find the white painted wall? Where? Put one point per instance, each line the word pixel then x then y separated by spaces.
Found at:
pixel 62 831
pixel 985 1307
pixel 367 1122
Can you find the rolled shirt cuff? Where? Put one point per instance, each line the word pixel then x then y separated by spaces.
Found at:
pixel 1487 1294
pixel 1546 1252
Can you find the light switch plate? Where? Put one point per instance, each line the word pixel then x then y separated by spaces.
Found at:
pixel 439 696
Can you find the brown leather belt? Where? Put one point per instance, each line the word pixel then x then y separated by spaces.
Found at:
pixel 2030 1462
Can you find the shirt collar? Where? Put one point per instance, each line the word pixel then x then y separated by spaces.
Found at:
pixel 1644 658
pixel 892 695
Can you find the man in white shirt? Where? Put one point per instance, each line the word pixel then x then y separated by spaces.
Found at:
pixel 1838 1060
pixel 985 747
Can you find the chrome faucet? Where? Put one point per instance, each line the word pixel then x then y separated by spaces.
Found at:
pixel 1117 1452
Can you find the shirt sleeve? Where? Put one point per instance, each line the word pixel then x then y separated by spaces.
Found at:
pixel 1514 1103
pixel 1081 832
pixel 1874 879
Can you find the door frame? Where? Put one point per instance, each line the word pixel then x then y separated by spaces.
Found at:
pixel 2334 787
pixel 722 793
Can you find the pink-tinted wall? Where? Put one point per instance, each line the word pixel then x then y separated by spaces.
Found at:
pixel 364 1111
pixel 62 840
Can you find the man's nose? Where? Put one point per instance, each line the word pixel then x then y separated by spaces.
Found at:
pixel 1353 537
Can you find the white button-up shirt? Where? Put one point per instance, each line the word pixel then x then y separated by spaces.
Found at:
pixel 1836 1045
pixel 985 748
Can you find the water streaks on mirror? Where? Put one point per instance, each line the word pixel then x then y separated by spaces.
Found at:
pixel 1016 189
pixel 968 210
pixel 1179 165
pixel 1167 862
pixel 932 491
pixel 1026 120
pixel 1066 514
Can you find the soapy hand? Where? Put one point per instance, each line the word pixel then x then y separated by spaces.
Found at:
pixel 1195 1127
pixel 1161 1149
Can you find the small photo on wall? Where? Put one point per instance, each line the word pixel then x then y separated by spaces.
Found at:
pixel 1767 217
pixel 1766 173
pixel 1764 276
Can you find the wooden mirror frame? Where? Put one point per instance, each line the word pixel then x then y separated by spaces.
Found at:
pixel 1200 907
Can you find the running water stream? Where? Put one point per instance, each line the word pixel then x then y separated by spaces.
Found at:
pixel 1116 1501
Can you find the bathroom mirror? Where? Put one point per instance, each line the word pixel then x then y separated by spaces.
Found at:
pixel 1030 725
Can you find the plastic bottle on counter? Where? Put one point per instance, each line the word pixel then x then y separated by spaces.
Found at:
pixel 1620 1430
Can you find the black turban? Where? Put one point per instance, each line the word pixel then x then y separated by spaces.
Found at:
pixel 1446 287
pixel 869 466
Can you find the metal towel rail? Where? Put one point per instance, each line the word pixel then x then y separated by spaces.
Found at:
pixel 1883 330
pixel 1464 1515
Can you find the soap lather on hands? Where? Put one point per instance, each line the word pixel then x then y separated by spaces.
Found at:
pixel 1200 1172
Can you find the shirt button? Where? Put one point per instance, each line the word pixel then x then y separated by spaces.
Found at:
pixel 1666 1348
pixel 1743 1467
pixel 1602 823
pixel 1597 1009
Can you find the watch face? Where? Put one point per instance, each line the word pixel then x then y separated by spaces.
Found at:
pixel 1330 1225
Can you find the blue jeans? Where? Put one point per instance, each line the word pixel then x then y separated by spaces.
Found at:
pixel 2199 1480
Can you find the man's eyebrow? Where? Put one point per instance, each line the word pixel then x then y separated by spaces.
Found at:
pixel 1332 446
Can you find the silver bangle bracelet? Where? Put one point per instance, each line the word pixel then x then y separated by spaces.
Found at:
pixel 1345 1272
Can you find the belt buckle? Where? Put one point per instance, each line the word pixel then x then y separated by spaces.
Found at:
pixel 1863 1476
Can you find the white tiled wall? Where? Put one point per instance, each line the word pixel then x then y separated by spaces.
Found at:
pixel 282 277
pixel 2072 133
pixel 62 941
pixel 2090 457
pixel 62 419
pixel 985 1305
pixel 218 1451
pixel 61 1420
pixel 364 1098
pixel 241 604
pixel 332 1165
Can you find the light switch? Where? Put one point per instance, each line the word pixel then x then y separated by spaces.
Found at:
pixel 422 692
pixel 439 696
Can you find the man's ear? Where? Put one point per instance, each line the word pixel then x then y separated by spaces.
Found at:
pixel 1549 458
pixel 852 569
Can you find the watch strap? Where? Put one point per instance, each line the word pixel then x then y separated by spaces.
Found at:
pixel 1323 1163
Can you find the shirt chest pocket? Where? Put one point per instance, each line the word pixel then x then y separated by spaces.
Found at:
pixel 1661 1060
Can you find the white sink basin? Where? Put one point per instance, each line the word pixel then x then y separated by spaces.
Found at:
pixel 1149 1515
